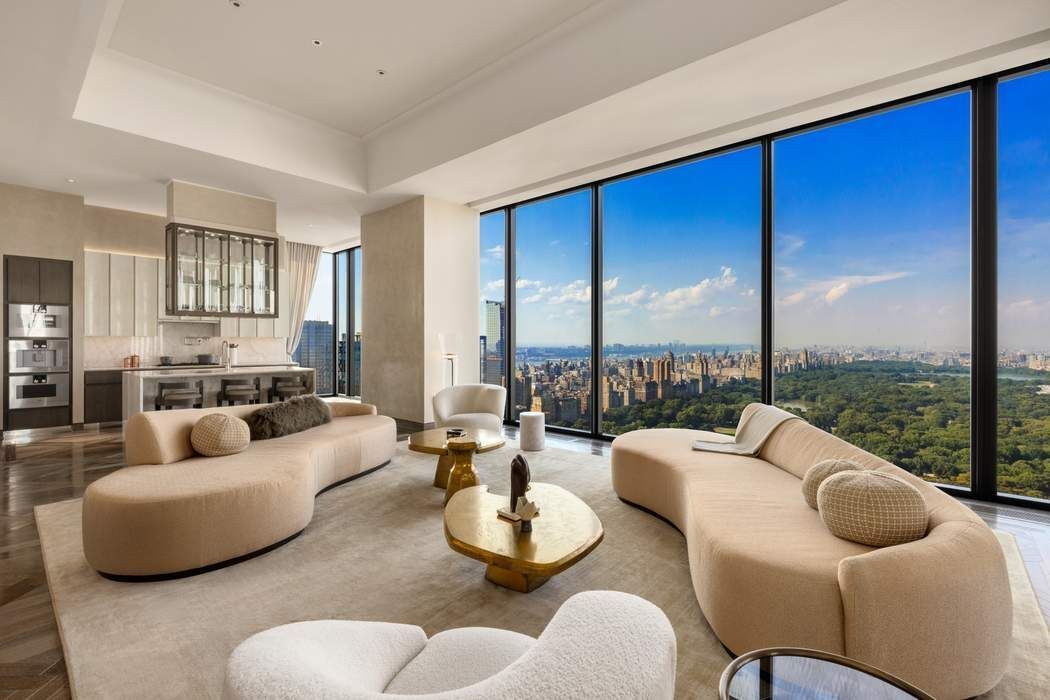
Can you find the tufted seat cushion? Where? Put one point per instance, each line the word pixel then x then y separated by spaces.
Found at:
pixel 442 664
pixel 482 421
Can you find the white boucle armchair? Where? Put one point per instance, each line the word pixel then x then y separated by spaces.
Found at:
pixel 600 644
pixel 477 406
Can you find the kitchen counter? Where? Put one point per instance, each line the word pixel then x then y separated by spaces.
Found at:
pixel 140 388
pixel 220 371
pixel 150 368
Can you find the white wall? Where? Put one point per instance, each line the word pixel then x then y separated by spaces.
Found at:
pixel 451 284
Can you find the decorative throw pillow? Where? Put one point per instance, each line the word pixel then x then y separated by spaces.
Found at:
pixel 872 508
pixel 816 474
pixel 218 434
pixel 288 417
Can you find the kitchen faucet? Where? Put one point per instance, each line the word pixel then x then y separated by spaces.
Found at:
pixel 226 354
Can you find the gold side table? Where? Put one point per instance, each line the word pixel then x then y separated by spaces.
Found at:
pixel 435 442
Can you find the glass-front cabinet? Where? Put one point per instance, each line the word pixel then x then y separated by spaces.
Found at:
pixel 264 276
pixel 220 273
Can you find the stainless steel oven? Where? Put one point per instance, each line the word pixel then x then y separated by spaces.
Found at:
pixel 37 390
pixel 37 355
pixel 38 321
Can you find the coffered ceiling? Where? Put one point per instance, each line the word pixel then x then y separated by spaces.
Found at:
pixel 483 102
pixel 264 49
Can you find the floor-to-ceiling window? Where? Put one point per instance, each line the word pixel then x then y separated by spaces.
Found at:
pixel 681 317
pixel 1024 285
pixel 882 275
pixel 492 303
pixel 872 283
pixel 331 337
pixel 317 342
pixel 355 376
pixel 552 361
pixel 342 321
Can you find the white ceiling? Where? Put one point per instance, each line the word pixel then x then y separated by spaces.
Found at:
pixel 263 49
pixel 485 103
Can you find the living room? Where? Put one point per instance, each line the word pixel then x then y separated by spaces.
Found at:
pixel 307 392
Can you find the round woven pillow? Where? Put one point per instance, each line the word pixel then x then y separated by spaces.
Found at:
pixel 218 434
pixel 816 474
pixel 872 508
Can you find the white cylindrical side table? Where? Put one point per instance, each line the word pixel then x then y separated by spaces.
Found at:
pixel 530 435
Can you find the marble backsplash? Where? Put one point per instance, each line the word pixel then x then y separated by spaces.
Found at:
pixel 107 352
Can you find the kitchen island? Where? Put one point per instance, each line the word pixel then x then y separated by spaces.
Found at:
pixel 140 388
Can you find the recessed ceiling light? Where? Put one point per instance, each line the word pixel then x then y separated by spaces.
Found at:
pixel 381 71
pixel 71 180
pixel 235 3
pixel 317 42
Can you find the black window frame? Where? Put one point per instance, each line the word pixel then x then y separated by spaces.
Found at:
pixel 983 92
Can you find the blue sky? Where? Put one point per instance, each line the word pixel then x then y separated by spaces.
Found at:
pixel 872 229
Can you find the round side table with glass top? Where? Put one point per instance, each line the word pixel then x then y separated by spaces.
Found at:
pixel 781 673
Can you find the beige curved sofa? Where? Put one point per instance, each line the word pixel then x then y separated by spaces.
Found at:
pixel 936 612
pixel 171 511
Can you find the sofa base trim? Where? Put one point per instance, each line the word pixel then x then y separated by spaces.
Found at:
pixel 652 513
pixel 351 478
pixel 147 578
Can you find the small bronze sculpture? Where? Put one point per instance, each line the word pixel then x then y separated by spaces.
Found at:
pixel 519 484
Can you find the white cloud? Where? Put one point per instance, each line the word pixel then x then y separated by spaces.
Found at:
pixel 836 292
pixel 716 311
pixel 684 298
pixel 577 291
pixel 610 285
pixel 523 283
pixel 831 290
pixel 748 293
pixel 494 285
pixel 495 251
pixel 788 244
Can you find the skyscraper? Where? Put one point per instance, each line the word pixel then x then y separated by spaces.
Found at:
pixel 315 350
pixel 492 348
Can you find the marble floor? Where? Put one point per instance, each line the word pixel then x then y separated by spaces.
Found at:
pixel 60 467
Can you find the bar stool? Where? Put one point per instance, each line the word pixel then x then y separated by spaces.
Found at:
pixel 236 391
pixel 179 395
pixel 287 387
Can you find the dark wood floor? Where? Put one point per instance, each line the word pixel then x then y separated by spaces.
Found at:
pixel 61 467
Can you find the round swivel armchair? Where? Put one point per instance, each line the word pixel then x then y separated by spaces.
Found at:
pixel 600 644
pixel 478 406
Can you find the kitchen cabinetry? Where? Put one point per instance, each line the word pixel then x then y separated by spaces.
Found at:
pixel 146 270
pixel 96 293
pixel 120 294
pixel 39 280
pixel 214 273
pixel 103 397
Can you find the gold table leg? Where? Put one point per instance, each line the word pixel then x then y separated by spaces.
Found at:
pixel 515 581
pixel 444 466
pixel 463 474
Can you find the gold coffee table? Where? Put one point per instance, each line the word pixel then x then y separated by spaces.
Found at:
pixel 435 442
pixel 565 531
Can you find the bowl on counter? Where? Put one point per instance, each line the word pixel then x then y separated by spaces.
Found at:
pixel 207 360
pixel 166 360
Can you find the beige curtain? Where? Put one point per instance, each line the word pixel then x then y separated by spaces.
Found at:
pixel 303 259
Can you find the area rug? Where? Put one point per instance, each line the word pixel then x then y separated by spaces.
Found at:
pixel 375 550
